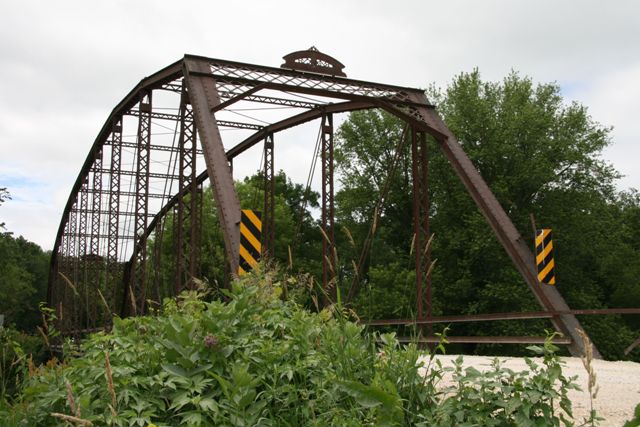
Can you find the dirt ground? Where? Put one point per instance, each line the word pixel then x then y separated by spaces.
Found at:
pixel 619 384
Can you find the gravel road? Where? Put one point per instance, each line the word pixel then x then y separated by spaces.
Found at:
pixel 619 384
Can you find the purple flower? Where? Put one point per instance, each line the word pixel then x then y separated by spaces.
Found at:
pixel 210 341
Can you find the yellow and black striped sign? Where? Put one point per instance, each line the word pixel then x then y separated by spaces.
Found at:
pixel 250 234
pixel 544 257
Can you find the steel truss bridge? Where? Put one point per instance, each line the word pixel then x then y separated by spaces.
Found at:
pixel 165 139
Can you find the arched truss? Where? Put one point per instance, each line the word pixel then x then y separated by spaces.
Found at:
pixel 164 139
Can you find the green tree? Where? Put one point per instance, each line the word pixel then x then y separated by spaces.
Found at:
pixel 367 144
pixel 538 155
pixel 23 277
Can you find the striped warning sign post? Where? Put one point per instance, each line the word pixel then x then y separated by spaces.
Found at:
pixel 250 234
pixel 544 257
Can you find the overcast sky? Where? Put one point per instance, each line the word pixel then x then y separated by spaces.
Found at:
pixel 64 65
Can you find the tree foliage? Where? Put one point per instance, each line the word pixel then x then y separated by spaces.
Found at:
pixel 23 277
pixel 538 155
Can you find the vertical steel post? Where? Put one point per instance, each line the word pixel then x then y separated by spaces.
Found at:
pixel 80 273
pixel 53 290
pixel 187 206
pixel 72 251
pixel 94 259
pixel 114 272
pixel 329 256
pixel 196 225
pixel 56 291
pixel 158 238
pixel 268 214
pixel 82 222
pixel 194 196
pixel 179 230
pixel 94 244
pixel 65 310
pixel 422 253
pixel 177 244
pixel 138 278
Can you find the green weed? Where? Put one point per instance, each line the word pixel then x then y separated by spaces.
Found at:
pixel 256 360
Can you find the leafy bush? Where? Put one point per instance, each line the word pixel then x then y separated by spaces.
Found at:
pixel 635 421
pixel 16 349
pixel 256 360
pixel 502 397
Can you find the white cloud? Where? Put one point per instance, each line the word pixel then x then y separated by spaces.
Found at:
pixel 612 99
pixel 64 65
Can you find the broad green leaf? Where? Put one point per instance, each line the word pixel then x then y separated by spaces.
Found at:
pixel 175 370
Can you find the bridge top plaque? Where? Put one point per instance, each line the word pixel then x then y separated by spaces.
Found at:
pixel 312 60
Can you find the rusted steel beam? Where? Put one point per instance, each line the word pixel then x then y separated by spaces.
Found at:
pixel 295 81
pixel 631 346
pixel 138 276
pixel 204 98
pixel 93 282
pixel 101 236
pixel 195 244
pixel 186 132
pixel 187 210
pixel 153 147
pixel 83 219
pixel 156 271
pixel 94 243
pixel 268 211
pixel 270 100
pixel 238 97
pixel 422 253
pixel 176 118
pixel 80 268
pixel 110 211
pixel 514 315
pixel 601 311
pixel 489 340
pixel 237 93
pixel 132 173
pixel 329 256
pixel 67 309
pixel 130 194
pixel 113 275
